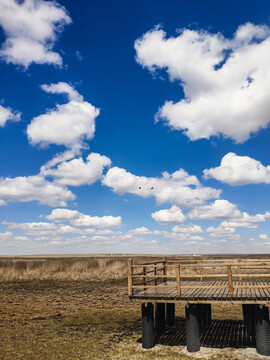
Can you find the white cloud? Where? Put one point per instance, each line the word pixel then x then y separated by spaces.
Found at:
pixel 63 88
pixel 264 237
pixel 224 80
pixel 31 28
pixel 78 219
pixel 68 124
pixel 42 230
pixel 142 242
pixel 169 216
pixel 223 232
pixel 179 187
pixel 178 236
pixel 9 239
pixel 187 229
pixel 6 235
pixel 59 215
pixel 223 209
pixel 239 170
pixel 7 114
pixel 78 55
pixel 246 221
pixel 237 224
pixel 76 172
pixel 30 188
pixel 219 209
pixel 140 231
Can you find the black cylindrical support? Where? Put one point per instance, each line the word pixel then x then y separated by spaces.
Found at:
pixel 200 313
pixel 204 317
pixel 148 334
pixel 209 315
pixel 192 328
pixel 262 330
pixel 160 318
pixel 170 314
pixel 249 315
pixel 245 313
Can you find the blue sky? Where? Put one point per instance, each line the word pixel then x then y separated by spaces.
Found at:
pixel 134 127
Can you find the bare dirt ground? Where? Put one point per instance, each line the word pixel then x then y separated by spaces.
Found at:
pixel 56 318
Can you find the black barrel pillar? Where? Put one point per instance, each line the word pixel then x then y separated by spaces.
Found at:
pixel 148 334
pixel 249 316
pixel 200 314
pixel 170 314
pixel 262 330
pixel 204 316
pixel 192 328
pixel 208 315
pixel 160 318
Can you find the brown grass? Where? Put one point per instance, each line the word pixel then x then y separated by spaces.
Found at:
pixel 74 269
pixel 71 268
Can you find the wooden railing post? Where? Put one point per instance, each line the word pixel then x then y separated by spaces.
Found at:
pixel 155 273
pixel 144 280
pixel 178 280
pixel 164 269
pixel 230 280
pixel 240 273
pixel 130 273
pixel 201 273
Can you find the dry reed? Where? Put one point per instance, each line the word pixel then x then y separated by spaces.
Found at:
pixel 48 268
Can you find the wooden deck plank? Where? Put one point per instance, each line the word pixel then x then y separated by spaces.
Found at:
pixel 262 291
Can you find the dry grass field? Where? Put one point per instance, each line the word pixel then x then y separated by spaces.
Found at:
pixel 78 308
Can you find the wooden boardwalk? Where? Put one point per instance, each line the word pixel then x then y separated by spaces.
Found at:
pixel 199 280
pixel 213 291
pixel 198 283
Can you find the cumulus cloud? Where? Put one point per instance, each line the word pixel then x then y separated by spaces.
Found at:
pixel 140 231
pixel 43 230
pixel 187 229
pixel 169 216
pixel 7 114
pixel 224 80
pixel 246 221
pixel 63 88
pixel 178 236
pixel 179 187
pixel 239 170
pixel 264 237
pixel 31 28
pixel 76 172
pixel 30 188
pixel 238 224
pixel 219 209
pixel 68 124
pixel 223 209
pixel 9 239
pixel 78 219
pixel 223 232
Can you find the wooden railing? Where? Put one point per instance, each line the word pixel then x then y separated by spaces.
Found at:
pixel 172 272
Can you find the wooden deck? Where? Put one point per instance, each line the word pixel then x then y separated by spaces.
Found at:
pixel 214 291
pixel 205 281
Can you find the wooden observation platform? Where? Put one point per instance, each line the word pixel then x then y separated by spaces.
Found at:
pixel 197 283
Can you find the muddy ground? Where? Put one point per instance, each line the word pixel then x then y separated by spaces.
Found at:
pixel 81 319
